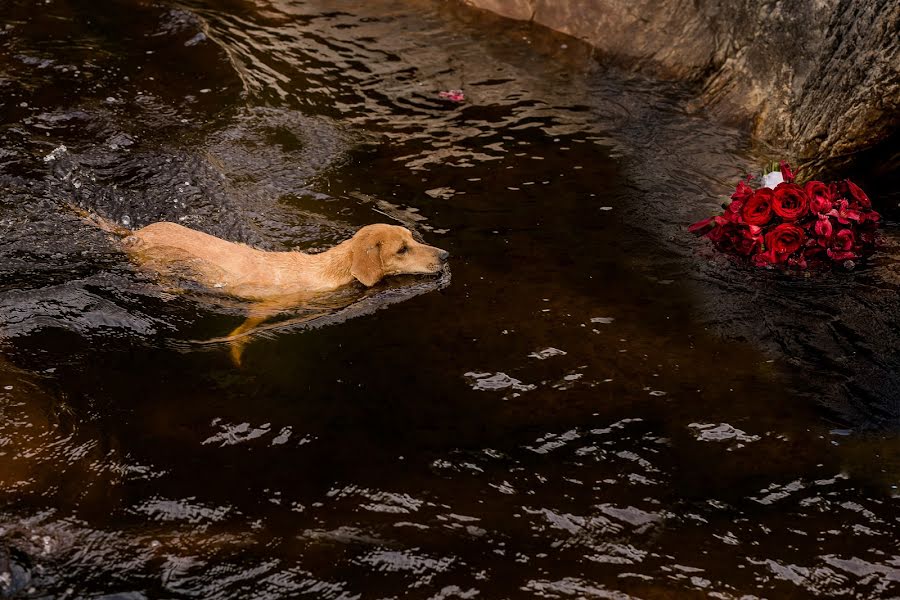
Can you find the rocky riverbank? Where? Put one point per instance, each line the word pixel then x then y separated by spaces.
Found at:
pixel 819 79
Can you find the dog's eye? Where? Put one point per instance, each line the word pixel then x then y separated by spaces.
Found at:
pixel 403 250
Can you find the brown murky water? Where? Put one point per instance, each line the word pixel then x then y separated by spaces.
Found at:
pixel 593 405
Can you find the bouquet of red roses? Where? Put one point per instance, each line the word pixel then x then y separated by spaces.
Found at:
pixel 783 223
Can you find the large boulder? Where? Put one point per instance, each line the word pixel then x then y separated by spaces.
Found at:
pixel 817 78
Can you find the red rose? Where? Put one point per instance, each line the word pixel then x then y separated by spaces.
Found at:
pixel 790 202
pixel 735 238
pixel 750 238
pixel 843 213
pixel 843 246
pixel 784 239
pixel 742 192
pixel 841 255
pixel 764 258
pixel 733 212
pixel 702 227
pixel 869 216
pixel 722 238
pixel 851 190
pixel 820 197
pixel 786 172
pixel 844 240
pixel 757 209
pixel 824 227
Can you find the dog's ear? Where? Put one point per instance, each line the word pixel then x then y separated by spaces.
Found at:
pixel 366 264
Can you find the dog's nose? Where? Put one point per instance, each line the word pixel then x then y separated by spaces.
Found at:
pixel 443 254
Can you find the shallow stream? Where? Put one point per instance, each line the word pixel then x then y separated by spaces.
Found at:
pixel 589 404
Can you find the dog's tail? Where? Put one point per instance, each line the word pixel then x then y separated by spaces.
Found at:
pixel 99 222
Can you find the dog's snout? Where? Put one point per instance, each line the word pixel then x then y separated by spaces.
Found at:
pixel 443 254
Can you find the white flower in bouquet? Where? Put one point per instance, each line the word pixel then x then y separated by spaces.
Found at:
pixel 770 180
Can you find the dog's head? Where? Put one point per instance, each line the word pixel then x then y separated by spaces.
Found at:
pixel 380 250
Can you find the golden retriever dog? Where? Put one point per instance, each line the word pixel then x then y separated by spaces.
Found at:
pixel 374 252
pixel 273 281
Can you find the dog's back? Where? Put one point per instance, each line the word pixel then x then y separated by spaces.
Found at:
pixel 212 261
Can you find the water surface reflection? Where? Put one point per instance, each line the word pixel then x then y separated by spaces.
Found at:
pixel 594 406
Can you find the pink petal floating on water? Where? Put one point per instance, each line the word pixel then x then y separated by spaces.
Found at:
pixel 453 95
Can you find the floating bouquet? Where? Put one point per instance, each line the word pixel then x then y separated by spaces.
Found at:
pixel 783 223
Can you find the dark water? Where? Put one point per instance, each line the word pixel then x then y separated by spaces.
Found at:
pixel 593 405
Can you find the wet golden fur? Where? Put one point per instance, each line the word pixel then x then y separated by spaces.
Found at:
pixel 273 281
pixel 374 252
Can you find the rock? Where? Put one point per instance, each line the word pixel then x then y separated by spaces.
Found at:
pixel 15 571
pixel 817 78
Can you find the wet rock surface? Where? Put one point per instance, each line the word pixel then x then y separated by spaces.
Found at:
pixel 818 78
